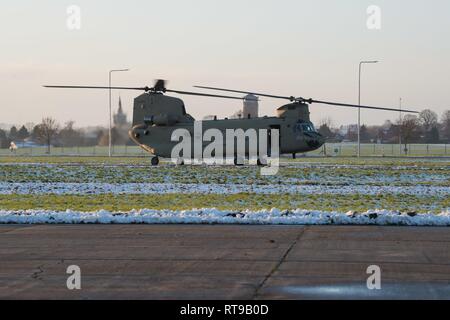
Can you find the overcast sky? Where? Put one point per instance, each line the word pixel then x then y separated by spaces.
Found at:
pixel 308 48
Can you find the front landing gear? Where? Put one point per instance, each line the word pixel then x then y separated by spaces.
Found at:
pixel 261 163
pixel 155 161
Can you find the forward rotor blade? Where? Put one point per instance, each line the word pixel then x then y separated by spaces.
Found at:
pixel 203 94
pixel 355 105
pixel 247 92
pixel 145 89
pixel 97 87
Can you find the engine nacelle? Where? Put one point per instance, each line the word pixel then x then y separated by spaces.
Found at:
pixel 296 110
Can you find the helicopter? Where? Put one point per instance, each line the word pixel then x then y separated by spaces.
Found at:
pixel 157 115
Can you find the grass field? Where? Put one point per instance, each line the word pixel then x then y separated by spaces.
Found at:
pixel 125 183
pixel 331 149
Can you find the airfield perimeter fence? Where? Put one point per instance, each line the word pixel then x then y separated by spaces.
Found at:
pixel 329 150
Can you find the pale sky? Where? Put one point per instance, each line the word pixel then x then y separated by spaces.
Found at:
pixel 308 48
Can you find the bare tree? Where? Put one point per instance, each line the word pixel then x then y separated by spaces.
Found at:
pixel 68 136
pixel 409 125
pixel 328 121
pixel 3 139
pixel 428 119
pixel 29 126
pixel 13 133
pixel 46 131
pixel 446 124
pixel 115 137
pixel 23 133
pixel 325 127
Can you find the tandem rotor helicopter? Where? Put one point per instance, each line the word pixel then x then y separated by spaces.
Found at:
pixel 156 115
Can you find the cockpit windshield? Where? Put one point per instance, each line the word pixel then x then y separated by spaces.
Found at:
pixel 308 127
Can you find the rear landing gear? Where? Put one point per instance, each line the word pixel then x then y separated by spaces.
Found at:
pixel 155 161
pixel 238 161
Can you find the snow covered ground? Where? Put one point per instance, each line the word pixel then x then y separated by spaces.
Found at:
pixel 415 186
pixel 298 174
pixel 213 188
pixel 214 216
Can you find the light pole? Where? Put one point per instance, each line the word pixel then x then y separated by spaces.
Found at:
pixel 400 130
pixel 359 103
pixel 110 113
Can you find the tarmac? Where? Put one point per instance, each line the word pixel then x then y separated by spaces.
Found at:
pixel 223 261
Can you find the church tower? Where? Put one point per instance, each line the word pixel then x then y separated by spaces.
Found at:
pixel 120 118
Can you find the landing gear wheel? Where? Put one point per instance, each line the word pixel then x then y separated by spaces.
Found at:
pixel 180 162
pixel 260 163
pixel 155 161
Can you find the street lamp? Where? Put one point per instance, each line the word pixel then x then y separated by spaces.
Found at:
pixel 359 103
pixel 110 113
pixel 400 129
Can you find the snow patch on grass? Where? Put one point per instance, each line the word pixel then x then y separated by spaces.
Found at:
pixel 212 188
pixel 214 216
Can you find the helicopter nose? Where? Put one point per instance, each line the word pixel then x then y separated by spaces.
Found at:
pixel 316 141
pixel 321 140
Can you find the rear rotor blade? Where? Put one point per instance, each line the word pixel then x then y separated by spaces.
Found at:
pixel 355 105
pixel 248 92
pixel 300 99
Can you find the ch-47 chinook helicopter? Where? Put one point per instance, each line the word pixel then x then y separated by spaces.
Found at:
pixel 156 116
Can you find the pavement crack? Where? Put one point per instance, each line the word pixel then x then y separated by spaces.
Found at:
pixel 37 274
pixel 278 264
pixel 427 257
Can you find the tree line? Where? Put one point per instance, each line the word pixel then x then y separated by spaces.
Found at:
pixel 426 127
pixel 50 133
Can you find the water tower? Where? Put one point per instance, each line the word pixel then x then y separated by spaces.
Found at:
pixel 250 109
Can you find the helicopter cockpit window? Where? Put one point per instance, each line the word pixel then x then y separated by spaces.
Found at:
pixel 307 127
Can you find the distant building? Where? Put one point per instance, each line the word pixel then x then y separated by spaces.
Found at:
pixel 120 118
pixel 119 134
pixel 251 107
pixel 249 110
